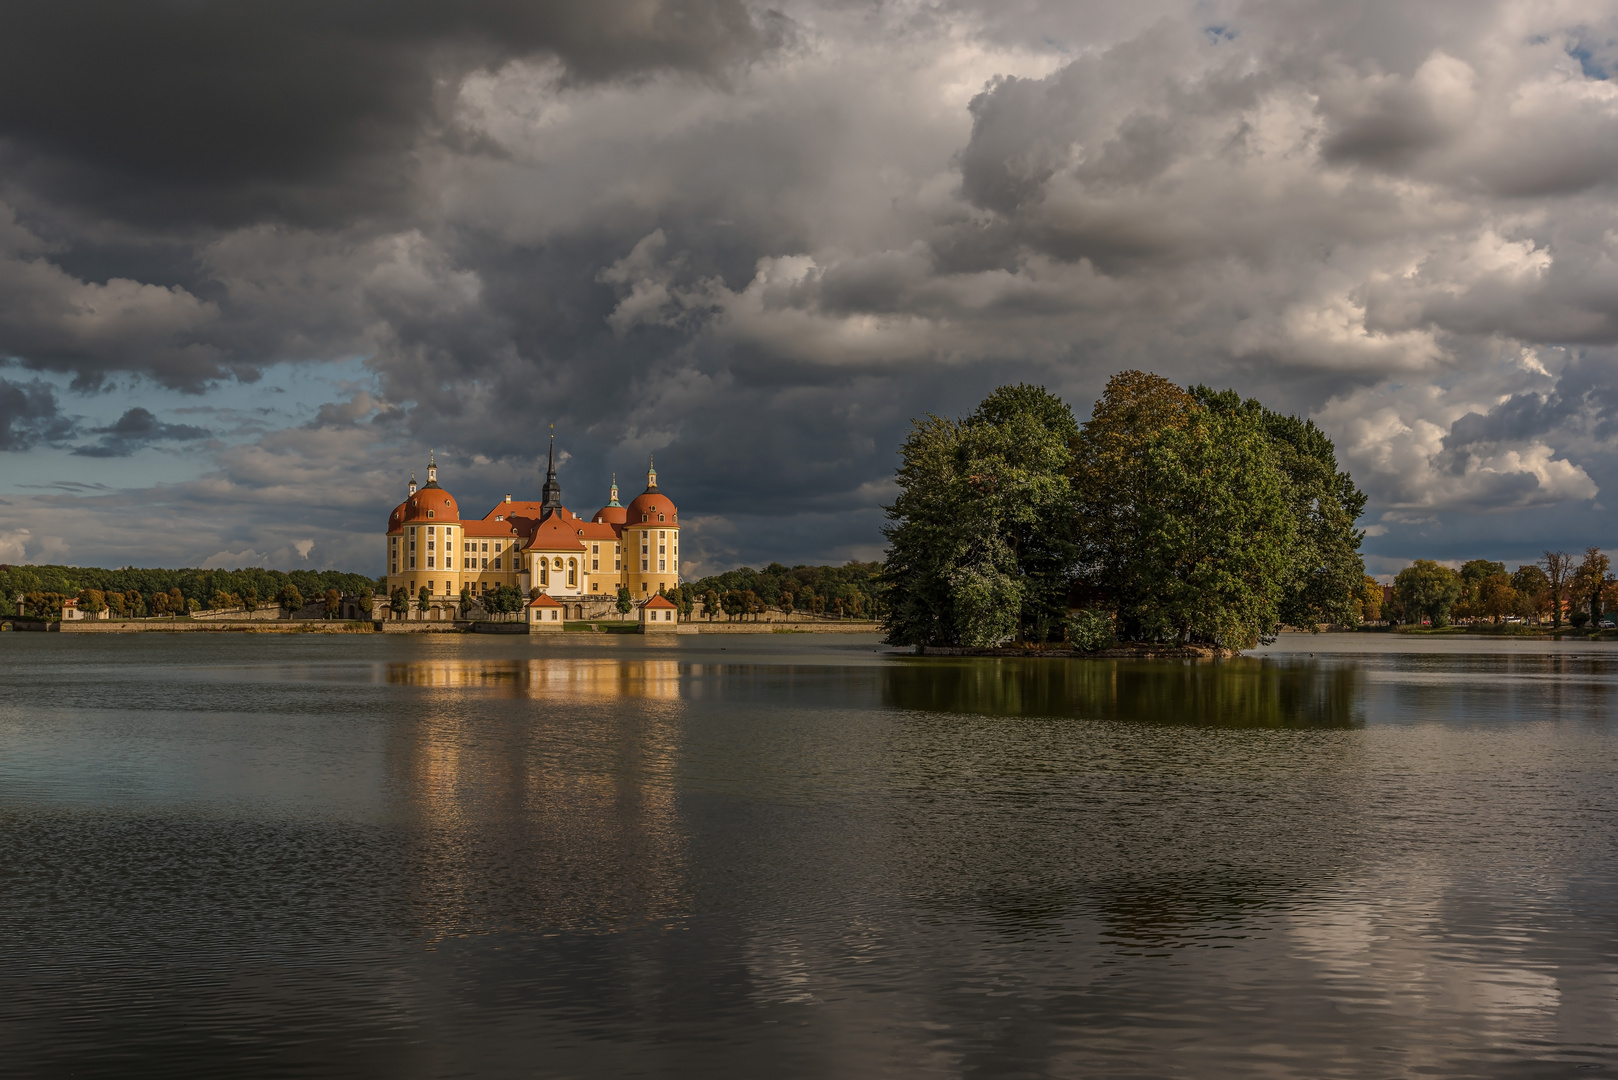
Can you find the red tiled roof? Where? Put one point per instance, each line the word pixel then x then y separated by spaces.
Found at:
pixel 659 601
pixel 556 533
pixel 489 528
pixel 543 600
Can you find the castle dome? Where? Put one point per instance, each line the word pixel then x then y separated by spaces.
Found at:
pixel 652 506
pixel 431 502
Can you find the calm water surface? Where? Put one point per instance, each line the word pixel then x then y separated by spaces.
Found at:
pixel 1346 856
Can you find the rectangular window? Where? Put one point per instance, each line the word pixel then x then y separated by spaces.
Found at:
pixel 497 562
pixel 412 562
pixel 485 545
pixel 429 545
pixel 429 562
pixel 617 564
pixel 662 549
pixel 485 564
pixel 595 549
pixel 643 565
pixel 595 586
pixel 662 565
pixel 595 564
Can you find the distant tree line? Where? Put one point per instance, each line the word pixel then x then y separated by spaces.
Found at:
pixel 139 593
pixel 855 590
pixel 1428 592
pixel 1173 514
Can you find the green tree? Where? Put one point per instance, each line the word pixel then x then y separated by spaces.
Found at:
pixel 1214 565
pixel 1325 571
pixel 1370 599
pixel 1587 582
pixel 334 603
pixel 1470 603
pixel 466 601
pixel 290 598
pixel 710 603
pixel 1558 566
pixel 1184 516
pixel 1497 597
pixel 981 543
pixel 250 601
pixel 1426 589
pixel 399 602
pixel 1533 591
pixel 43 605
pixel 626 602
pixel 785 603
pixel 424 599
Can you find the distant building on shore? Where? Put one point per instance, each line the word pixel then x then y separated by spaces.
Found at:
pixel 581 563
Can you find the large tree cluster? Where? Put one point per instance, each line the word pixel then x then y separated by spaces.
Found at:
pixel 1171 515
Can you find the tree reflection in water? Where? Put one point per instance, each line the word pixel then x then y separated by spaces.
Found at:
pixel 1194 802
pixel 1240 693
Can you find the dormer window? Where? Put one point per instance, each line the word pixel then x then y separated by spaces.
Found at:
pixel 429 513
pixel 499 517
pixel 643 517
pixel 660 517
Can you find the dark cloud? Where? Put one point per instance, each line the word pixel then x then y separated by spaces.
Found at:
pixel 29 414
pixel 218 111
pixel 135 430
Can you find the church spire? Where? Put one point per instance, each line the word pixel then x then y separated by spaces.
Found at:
pixel 432 469
pixel 613 501
pixel 551 493
pixel 412 481
pixel 651 473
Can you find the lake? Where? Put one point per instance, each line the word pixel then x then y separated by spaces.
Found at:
pixel 804 856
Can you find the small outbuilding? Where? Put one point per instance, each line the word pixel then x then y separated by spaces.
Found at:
pixel 659 615
pixel 544 615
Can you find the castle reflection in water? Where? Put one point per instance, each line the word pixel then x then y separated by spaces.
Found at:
pixel 540 794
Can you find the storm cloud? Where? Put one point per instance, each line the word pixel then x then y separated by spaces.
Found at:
pixel 758 240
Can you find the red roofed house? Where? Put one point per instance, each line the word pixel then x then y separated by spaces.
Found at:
pixel 534 545
pixel 544 614
pixel 658 615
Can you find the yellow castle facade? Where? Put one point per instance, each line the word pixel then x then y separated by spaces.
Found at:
pixel 534 545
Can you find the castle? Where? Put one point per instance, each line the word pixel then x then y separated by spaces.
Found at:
pixel 581 564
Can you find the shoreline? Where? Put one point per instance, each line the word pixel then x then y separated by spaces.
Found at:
pixel 269 626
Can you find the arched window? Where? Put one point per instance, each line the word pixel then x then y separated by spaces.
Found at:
pixel 429 513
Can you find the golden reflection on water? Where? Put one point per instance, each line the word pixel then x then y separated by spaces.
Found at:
pixel 544 793
pixel 579 678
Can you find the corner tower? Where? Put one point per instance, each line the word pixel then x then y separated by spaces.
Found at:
pixel 651 541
